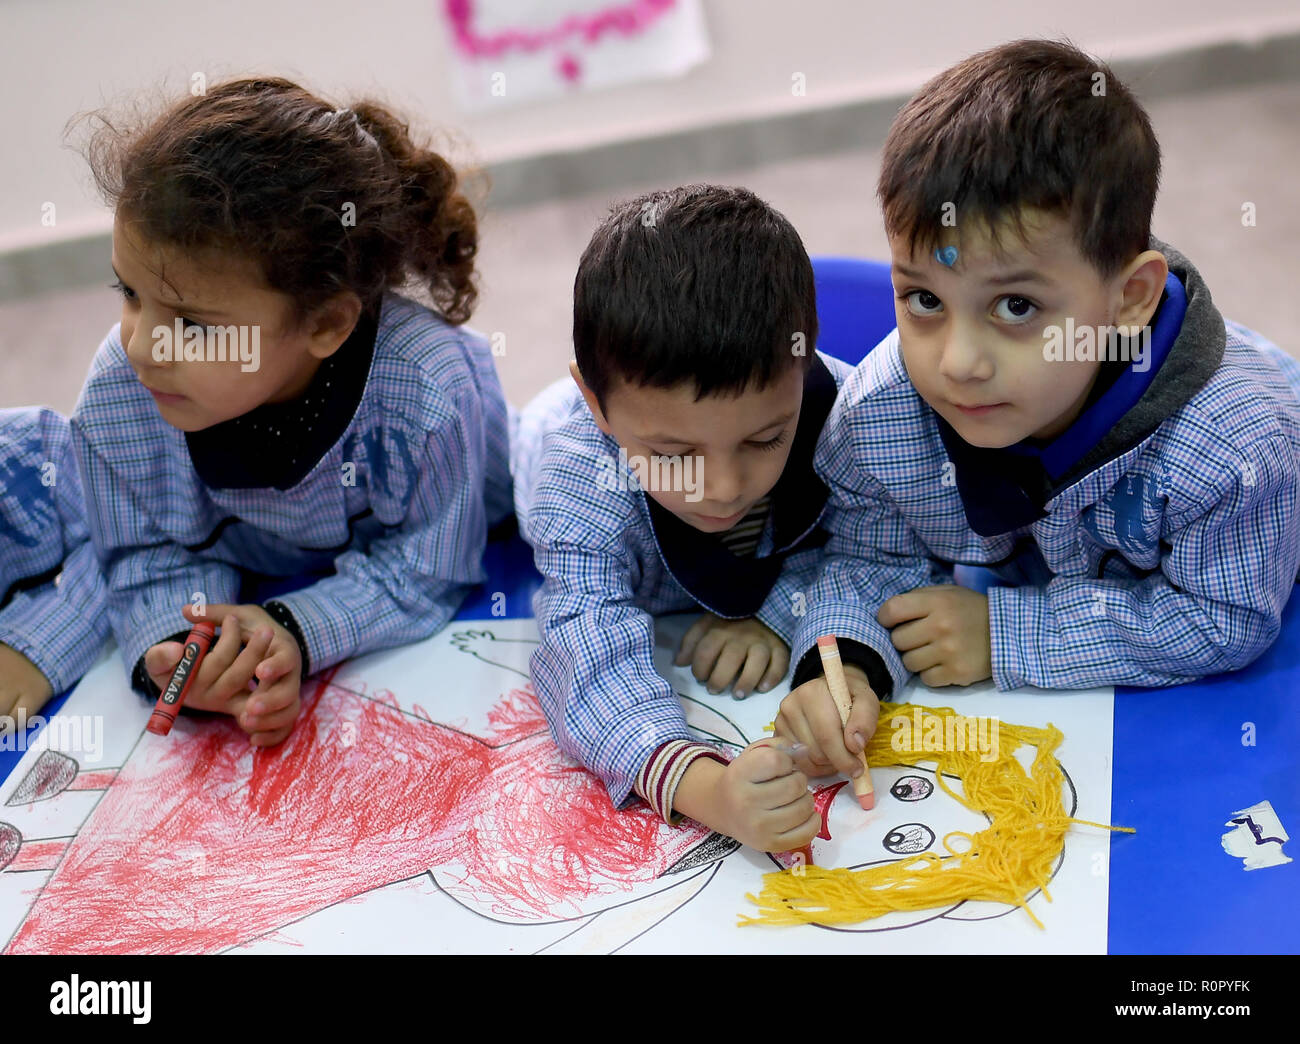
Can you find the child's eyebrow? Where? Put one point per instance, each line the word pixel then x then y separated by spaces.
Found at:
pixel 1022 275
pixel 783 420
pixel 903 270
pixel 178 306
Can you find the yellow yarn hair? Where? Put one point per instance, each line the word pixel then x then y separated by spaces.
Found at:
pixel 1003 863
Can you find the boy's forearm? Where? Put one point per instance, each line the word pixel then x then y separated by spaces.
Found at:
pixel 1150 635
pixel 696 793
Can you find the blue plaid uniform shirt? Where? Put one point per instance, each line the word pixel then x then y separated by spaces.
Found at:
pixel 604 578
pixel 1171 561
pixel 55 609
pixel 396 511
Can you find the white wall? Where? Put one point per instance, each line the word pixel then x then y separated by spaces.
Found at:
pixel 58 57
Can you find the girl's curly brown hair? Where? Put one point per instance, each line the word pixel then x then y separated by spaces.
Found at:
pixel 264 168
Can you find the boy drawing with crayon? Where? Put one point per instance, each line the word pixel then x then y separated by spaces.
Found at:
pixel 675 472
pixel 1061 402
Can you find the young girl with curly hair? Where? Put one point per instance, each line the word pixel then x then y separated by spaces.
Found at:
pixel 270 412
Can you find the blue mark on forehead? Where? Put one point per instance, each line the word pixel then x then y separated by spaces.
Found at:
pixel 946 256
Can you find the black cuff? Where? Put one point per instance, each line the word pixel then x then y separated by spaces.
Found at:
pixel 140 680
pixel 856 653
pixel 505 529
pixel 283 615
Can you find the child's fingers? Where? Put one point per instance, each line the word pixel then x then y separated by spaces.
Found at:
pixel 829 732
pixel 763 760
pixel 706 653
pixel 274 696
pixel 222 612
pixel 270 739
pixel 160 660
pixel 792 814
pixel 922 659
pixel 205 612
pixel 270 720
pixel 912 605
pixel 692 637
pixel 937 677
pixel 913 634
pixel 776 667
pixel 755 668
pixel 781 791
pixel 225 650
pixel 235 678
pixel 728 665
pixel 864 715
pixel 791 724
pixel 278 662
pixel 282 706
pixel 794 727
pixel 799 833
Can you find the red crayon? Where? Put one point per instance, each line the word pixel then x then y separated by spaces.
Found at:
pixel 169 703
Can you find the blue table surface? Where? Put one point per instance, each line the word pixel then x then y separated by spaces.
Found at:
pixel 1181 769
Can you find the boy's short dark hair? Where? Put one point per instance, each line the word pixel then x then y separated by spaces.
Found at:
pixel 701 283
pixel 1033 123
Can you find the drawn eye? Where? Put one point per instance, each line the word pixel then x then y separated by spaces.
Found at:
pixel 912 788
pixel 909 839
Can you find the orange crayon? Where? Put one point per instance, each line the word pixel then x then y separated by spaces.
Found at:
pixel 839 686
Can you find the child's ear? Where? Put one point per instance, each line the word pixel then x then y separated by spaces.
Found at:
pixel 597 414
pixel 1140 286
pixel 332 324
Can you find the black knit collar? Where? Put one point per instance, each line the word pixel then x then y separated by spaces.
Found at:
pixel 277 444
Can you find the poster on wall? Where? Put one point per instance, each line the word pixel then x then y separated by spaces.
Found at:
pixel 508 52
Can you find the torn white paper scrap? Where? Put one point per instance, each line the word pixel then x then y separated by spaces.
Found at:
pixel 1256 836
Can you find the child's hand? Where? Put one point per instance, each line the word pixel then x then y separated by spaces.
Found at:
pixel 22 685
pixel 808 716
pixel 942 632
pixel 761 799
pixel 269 657
pixel 742 651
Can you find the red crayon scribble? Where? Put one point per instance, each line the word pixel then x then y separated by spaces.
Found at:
pixel 99 780
pixel 205 844
pixel 42 854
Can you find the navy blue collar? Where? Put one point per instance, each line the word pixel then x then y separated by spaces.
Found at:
pixel 1103 413
pixel 1003 490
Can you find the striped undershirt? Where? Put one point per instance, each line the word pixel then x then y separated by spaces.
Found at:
pixel 657 781
pixel 742 538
